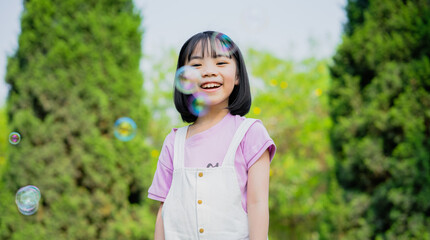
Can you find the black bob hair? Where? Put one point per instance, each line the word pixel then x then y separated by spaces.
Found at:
pixel 239 101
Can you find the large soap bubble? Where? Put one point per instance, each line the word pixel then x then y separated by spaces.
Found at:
pixel 27 199
pixel 223 44
pixel 187 79
pixel 198 104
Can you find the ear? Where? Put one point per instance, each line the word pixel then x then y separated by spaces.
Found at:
pixel 236 82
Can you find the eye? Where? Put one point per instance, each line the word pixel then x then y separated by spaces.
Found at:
pixel 196 65
pixel 221 63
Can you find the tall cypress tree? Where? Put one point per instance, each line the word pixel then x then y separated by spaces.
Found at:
pixel 380 101
pixel 75 72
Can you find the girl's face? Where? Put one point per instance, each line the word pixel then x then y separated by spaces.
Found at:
pixel 218 74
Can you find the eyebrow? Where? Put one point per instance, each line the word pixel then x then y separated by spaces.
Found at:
pixel 195 57
pixel 217 56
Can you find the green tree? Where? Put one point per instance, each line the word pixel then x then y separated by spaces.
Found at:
pixel 3 140
pixel 75 72
pixel 380 101
pixel 355 15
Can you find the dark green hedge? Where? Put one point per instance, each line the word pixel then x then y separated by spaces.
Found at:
pixel 75 72
pixel 380 107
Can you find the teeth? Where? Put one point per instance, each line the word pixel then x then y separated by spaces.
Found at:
pixel 210 85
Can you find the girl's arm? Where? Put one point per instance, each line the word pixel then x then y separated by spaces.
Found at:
pixel 159 228
pixel 258 198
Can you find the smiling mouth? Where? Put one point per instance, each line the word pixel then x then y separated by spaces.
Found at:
pixel 211 85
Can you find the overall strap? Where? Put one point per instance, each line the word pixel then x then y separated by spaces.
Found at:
pixel 179 148
pixel 237 138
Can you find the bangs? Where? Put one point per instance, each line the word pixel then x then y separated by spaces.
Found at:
pixel 217 44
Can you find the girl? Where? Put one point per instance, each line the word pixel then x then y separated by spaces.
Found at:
pixel 212 177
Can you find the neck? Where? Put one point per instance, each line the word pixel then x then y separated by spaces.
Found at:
pixel 213 116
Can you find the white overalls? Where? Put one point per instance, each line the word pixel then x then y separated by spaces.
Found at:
pixel 205 203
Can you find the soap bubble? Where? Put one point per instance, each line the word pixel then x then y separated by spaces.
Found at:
pixel 125 129
pixel 14 138
pixel 187 79
pixel 223 43
pixel 27 199
pixel 198 104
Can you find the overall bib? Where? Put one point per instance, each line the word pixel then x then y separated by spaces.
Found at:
pixel 205 203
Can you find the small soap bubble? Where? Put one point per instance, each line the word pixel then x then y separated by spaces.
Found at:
pixel 223 43
pixel 27 199
pixel 198 104
pixel 187 79
pixel 14 138
pixel 125 129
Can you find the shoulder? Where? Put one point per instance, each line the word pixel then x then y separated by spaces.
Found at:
pixel 170 138
pixel 257 131
pixel 169 141
pixel 257 127
pixel 166 154
pixel 237 119
pixel 256 135
pixel 256 141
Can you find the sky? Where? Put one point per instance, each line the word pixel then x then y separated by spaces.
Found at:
pixel 289 29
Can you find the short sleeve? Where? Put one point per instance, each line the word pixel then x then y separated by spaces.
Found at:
pixel 163 175
pixel 255 142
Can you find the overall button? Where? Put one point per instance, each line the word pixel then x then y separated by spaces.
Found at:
pixel 200 174
pixel 199 201
pixel 201 230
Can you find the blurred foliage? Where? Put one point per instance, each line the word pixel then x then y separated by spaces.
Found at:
pixel 75 72
pixel 291 100
pixel 158 92
pixel 4 134
pixel 379 104
pixel 355 14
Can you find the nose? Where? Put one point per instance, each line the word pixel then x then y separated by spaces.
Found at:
pixel 209 71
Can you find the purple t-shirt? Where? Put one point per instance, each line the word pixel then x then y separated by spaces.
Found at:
pixel 208 149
